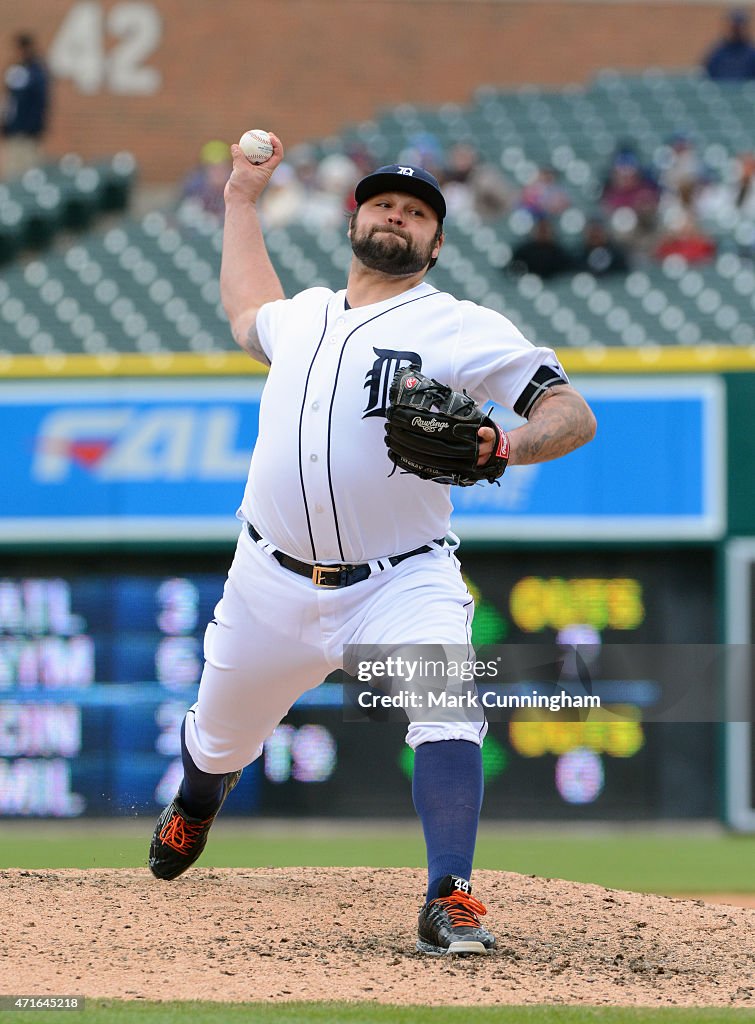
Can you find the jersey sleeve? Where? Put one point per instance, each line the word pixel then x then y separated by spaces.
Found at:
pixel 495 362
pixel 276 318
pixel 268 323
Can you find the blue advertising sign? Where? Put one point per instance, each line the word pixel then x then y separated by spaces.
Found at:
pixel 125 459
pixel 655 470
pixel 128 460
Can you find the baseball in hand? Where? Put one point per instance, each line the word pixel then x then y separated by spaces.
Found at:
pixel 256 146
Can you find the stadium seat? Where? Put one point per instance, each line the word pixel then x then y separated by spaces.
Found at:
pixel 150 285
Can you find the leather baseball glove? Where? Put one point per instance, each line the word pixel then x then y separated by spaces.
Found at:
pixel 431 431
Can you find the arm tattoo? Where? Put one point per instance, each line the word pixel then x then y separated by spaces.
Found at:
pixel 251 345
pixel 559 422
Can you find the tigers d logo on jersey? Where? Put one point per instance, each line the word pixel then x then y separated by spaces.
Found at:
pixel 378 379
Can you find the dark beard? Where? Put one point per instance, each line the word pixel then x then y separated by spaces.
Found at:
pixel 389 257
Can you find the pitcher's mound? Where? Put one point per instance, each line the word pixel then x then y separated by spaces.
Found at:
pixel 349 934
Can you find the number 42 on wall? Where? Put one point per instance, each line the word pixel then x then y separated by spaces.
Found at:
pixel 100 49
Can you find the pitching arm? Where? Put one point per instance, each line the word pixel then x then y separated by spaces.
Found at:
pixel 559 421
pixel 247 277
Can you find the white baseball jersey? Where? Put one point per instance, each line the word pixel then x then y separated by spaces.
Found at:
pixel 320 486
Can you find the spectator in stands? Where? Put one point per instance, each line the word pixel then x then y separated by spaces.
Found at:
pixel 541 253
pixel 682 164
pixel 205 184
pixel 493 194
pixel 743 192
pixel 25 109
pixel 365 161
pixel 424 149
pixel 684 237
pixel 304 162
pixel 732 59
pixel 335 180
pixel 733 199
pixel 637 231
pixel 544 195
pixel 630 203
pixel 626 151
pixel 599 254
pixel 628 186
pixel 470 183
pixel 684 178
pixel 692 197
pixel 282 202
pixel 730 204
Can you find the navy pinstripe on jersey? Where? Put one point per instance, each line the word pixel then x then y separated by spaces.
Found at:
pixel 301 419
pixel 333 395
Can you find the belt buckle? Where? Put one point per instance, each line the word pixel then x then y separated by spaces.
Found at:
pixel 318 575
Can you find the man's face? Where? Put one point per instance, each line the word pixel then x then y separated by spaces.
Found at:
pixel 395 233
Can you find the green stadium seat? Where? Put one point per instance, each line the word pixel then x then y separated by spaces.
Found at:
pixel 151 285
pixel 11 225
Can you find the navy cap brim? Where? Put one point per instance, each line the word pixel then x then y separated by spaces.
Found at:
pixel 395 181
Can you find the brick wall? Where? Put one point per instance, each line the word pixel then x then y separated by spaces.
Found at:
pixel 305 67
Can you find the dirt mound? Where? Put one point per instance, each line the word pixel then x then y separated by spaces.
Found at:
pixel 349 933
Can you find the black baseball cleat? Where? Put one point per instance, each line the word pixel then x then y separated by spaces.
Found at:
pixel 179 839
pixel 451 923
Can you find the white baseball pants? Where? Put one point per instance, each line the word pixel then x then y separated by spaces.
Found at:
pixel 275 635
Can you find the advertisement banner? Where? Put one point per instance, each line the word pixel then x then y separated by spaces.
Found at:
pixel 158 460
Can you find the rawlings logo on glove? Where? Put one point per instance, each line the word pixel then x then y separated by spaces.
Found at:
pixel 429 426
pixel 431 431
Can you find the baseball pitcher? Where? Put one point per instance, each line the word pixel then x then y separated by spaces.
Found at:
pixel 371 410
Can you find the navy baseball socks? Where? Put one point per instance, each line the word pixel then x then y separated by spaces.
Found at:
pixel 447 788
pixel 181 831
pixel 447 792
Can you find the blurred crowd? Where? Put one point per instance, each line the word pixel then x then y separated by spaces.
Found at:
pixel 643 208
pixel 642 212
pixel 319 193
pixel 645 212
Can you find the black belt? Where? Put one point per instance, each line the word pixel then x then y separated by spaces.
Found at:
pixel 334 576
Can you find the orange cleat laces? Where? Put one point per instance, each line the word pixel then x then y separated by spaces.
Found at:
pixel 179 834
pixel 463 909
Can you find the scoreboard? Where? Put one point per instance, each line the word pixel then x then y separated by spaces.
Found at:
pixel 101 656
